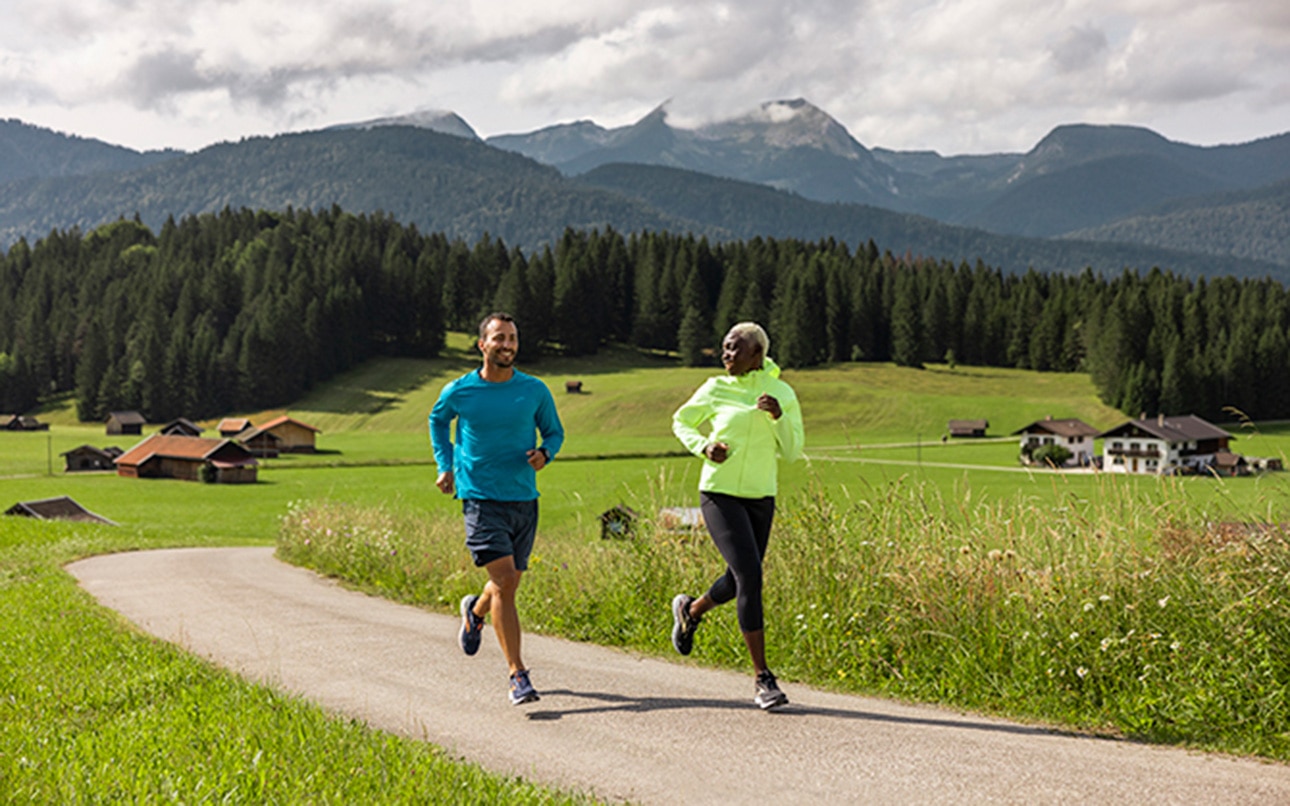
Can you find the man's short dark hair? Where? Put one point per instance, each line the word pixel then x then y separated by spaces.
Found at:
pixel 498 316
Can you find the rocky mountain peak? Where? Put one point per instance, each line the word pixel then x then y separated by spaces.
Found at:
pixel 786 124
pixel 439 120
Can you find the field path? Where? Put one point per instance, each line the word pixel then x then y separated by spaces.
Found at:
pixel 620 725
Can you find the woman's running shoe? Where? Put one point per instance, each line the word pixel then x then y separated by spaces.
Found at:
pixel 683 624
pixel 768 694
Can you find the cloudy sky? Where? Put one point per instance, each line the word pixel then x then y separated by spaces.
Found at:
pixel 957 76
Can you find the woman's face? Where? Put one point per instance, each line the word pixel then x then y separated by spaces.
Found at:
pixel 740 354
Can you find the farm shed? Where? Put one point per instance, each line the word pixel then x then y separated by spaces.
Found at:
pixel 62 508
pixel 125 422
pixel 88 457
pixel 297 437
pixel 618 521
pixel 189 458
pixel 19 422
pixel 263 444
pixel 968 428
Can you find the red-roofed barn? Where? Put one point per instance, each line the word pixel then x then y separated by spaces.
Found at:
pixel 189 458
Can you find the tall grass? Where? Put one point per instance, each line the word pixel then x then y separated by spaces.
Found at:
pixel 1106 613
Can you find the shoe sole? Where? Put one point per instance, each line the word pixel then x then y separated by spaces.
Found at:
pixel 679 601
pixel 526 699
pixel 780 702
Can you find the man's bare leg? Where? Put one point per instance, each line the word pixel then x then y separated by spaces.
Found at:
pixel 498 599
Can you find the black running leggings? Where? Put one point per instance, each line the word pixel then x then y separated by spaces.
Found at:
pixel 741 529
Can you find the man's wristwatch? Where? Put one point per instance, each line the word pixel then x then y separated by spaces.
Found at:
pixel 546 455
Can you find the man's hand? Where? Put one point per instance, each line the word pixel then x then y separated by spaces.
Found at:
pixel 445 483
pixel 770 405
pixel 537 458
pixel 717 452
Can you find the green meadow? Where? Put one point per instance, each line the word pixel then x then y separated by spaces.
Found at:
pixel 903 564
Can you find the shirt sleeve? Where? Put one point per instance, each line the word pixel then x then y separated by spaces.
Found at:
pixel 441 417
pixel 548 423
pixel 687 419
pixel 789 434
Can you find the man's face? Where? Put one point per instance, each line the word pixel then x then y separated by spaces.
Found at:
pixel 739 354
pixel 500 343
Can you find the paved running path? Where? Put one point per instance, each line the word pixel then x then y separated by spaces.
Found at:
pixel 623 726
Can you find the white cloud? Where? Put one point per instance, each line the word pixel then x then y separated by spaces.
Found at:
pixel 954 75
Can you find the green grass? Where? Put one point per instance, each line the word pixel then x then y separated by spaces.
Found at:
pixel 872 528
pixel 92 711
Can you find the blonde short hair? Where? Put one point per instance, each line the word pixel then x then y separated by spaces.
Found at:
pixel 754 333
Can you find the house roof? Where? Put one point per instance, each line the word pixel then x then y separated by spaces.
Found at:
pixel 60 508
pixel 277 421
pixel 233 424
pixel 22 421
pixel 1171 429
pixel 981 424
pixel 196 449
pixel 107 453
pixel 1068 427
pixel 254 432
pixel 185 423
pixel 127 417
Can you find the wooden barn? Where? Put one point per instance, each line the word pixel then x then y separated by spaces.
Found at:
pixel 19 422
pixel 223 461
pixel 297 437
pixel 88 457
pixel 125 422
pixel 62 508
pixel 968 428
pixel 264 444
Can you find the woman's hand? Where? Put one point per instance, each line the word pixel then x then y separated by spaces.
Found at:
pixel 717 452
pixel 770 405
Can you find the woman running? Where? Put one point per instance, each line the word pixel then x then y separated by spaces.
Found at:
pixel 753 420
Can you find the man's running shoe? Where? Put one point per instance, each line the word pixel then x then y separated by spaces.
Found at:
pixel 768 694
pixel 522 690
pixel 683 624
pixel 471 625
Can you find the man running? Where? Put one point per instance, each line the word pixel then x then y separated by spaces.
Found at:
pixel 493 470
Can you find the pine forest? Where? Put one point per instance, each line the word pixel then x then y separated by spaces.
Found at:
pixel 245 310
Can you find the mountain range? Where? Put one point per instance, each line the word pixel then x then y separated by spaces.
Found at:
pixel 1108 197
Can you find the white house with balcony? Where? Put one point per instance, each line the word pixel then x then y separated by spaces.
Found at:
pixel 1164 445
pixel 1070 433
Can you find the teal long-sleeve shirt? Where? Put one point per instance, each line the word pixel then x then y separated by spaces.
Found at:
pixel 497 425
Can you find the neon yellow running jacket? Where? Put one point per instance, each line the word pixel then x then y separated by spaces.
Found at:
pixel 728 403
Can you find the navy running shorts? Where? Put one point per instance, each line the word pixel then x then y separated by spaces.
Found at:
pixel 495 529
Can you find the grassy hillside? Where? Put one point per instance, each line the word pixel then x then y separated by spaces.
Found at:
pixel 867 426
pixel 629 397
